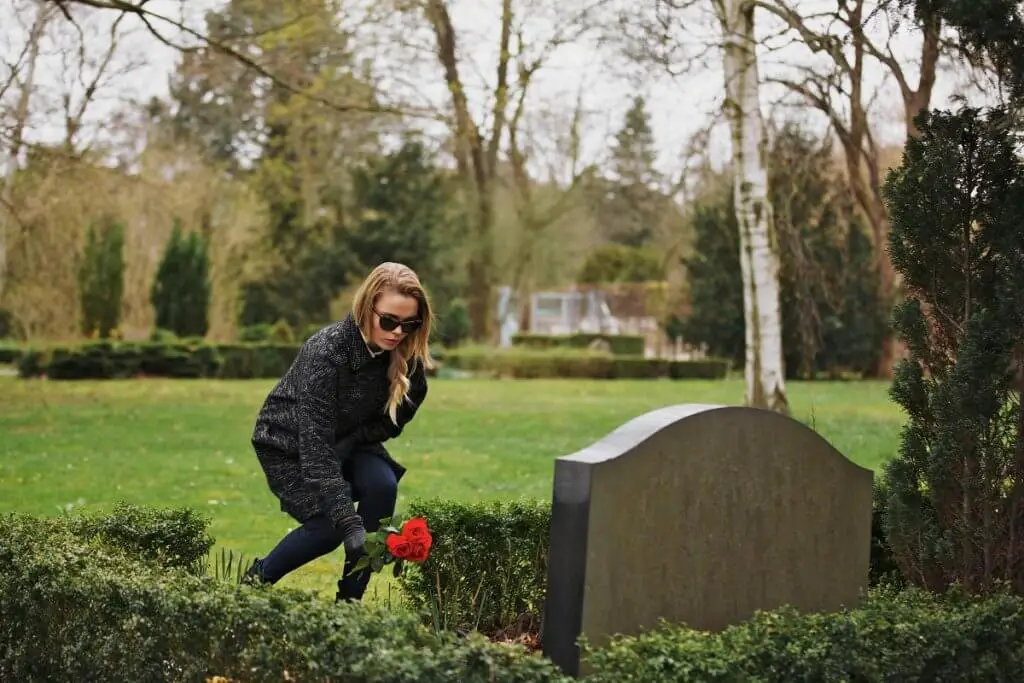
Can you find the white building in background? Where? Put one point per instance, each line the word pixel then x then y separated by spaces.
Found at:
pixel 557 313
pixel 588 310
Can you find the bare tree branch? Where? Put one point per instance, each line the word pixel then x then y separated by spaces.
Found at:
pixel 150 18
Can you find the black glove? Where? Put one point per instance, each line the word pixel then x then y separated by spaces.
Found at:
pixel 353 532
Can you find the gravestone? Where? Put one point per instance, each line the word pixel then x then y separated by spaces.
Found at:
pixel 701 514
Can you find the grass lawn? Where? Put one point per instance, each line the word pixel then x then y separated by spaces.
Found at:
pixel 186 443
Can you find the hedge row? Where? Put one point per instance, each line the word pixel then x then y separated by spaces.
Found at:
pixel 120 359
pixel 579 364
pixel 123 597
pixel 91 608
pixel 9 353
pixel 618 344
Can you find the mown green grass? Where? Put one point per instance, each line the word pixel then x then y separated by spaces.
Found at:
pixel 186 442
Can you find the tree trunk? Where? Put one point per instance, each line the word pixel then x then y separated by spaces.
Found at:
pixel 21 112
pixel 765 377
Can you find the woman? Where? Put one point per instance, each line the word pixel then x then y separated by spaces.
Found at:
pixel 318 437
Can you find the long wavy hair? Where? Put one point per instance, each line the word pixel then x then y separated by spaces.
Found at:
pixel 414 348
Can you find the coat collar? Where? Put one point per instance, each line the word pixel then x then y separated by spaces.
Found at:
pixel 358 352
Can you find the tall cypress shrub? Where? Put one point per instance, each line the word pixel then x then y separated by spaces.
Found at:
pixel 955 508
pixel 101 279
pixel 181 288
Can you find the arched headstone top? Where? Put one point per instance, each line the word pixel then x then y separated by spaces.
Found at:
pixel 632 434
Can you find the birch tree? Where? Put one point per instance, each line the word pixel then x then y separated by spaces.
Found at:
pixel 846 36
pixel 759 261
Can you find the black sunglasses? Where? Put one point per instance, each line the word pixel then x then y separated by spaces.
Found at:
pixel 388 323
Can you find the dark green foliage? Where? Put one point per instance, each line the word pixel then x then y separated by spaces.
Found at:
pixel 716 289
pixel 10 352
pixel 9 327
pixel 310 274
pixel 181 289
pixel 832 321
pixel 956 508
pixel 908 637
pixel 488 566
pixel 169 537
pixel 619 344
pixel 79 608
pixel 126 596
pixel 278 333
pixel 453 325
pixel 400 202
pixel 628 207
pixel 527 363
pixel 989 30
pixel 612 263
pixel 101 279
pixel 113 360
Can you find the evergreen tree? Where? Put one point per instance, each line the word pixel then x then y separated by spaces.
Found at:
pixel 713 269
pixel 400 201
pixel 955 509
pixel 101 279
pixel 181 289
pixel 832 318
pixel 630 204
pixel 988 29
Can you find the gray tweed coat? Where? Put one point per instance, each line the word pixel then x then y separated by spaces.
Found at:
pixel 330 401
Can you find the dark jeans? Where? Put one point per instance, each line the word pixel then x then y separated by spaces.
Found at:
pixel 375 488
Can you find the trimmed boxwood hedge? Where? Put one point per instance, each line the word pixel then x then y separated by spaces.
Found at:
pixel 124 596
pixel 122 359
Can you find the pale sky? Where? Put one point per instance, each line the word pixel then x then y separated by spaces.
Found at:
pixel 679 106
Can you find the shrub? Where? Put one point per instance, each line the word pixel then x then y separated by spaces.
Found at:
pixel 76 609
pixel 488 567
pixel 101 279
pixel 909 637
pixel 113 360
pixel 255 361
pixel 532 363
pixel 957 482
pixel 180 293
pixel 170 537
pixel 10 352
pixel 280 333
pixel 110 360
pixel 619 344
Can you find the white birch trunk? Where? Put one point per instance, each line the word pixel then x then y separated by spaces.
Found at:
pixel 759 261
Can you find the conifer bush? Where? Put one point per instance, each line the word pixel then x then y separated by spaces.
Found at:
pixel 955 512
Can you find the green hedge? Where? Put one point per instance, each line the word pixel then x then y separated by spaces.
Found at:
pixel 123 596
pixel 522 363
pixel 618 344
pixel 487 569
pixel 10 352
pixel 908 637
pixel 91 609
pixel 120 359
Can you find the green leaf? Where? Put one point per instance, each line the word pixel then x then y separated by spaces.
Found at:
pixel 361 564
pixel 377 563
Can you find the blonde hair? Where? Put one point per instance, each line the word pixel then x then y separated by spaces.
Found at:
pixel 400 279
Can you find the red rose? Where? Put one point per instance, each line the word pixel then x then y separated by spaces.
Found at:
pixel 416 530
pixel 399 546
pixel 418 552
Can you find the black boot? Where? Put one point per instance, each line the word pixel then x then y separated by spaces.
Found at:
pixel 254 574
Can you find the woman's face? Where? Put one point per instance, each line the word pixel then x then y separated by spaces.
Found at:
pixel 398 312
